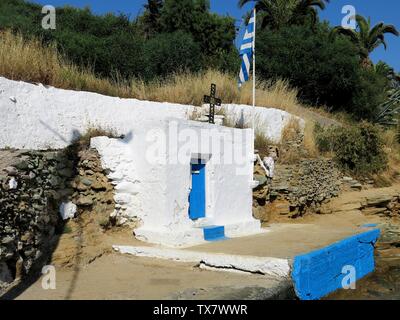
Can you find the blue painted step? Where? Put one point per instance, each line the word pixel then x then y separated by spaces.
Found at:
pixel 214 233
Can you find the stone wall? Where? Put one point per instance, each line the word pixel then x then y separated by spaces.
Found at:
pixel 296 189
pixel 38 189
pixel 32 185
pixel 93 191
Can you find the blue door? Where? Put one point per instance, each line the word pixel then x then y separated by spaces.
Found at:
pixel 197 197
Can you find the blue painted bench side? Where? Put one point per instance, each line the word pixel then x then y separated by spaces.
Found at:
pixel 318 273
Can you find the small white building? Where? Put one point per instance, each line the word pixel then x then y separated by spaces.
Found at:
pixel 184 182
pixel 181 181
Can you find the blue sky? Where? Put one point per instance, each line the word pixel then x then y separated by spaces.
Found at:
pixel 379 10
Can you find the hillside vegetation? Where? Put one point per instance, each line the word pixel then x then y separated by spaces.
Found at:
pixel 175 49
pixel 22 59
pixel 172 37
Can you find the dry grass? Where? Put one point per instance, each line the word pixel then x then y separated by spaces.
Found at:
pixel 291 145
pixel 291 131
pixel 309 140
pixel 29 60
pixel 92 132
pixel 392 149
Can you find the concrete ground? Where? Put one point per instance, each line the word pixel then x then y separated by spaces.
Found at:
pixel 286 240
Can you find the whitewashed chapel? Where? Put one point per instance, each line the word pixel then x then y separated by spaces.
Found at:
pixel 185 182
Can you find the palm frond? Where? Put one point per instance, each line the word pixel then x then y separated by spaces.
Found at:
pixel 388 112
pixel 242 3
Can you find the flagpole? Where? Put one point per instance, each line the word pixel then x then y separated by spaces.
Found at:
pixel 254 71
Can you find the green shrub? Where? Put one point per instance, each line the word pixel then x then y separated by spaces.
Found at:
pixel 169 53
pixel 369 93
pixel 324 138
pixel 116 46
pixel 326 71
pixel 358 149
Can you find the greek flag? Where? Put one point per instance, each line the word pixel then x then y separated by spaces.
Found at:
pixel 247 50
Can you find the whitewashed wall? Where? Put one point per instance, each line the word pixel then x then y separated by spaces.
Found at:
pixel 268 121
pixel 39 117
pixel 155 190
pixel 36 117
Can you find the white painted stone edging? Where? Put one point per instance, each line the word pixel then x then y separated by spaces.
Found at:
pixel 273 267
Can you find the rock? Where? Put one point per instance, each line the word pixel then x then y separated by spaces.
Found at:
pixel 347 179
pixel 81 187
pixel 7 240
pixel 98 186
pixel 22 165
pixel 12 184
pixel 54 181
pixel 279 207
pixel 262 179
pixel 356 186
pixel 11 171
pixel 86 182
pixel 379 200
pixel 372 211
pixel 85 201
pixel 29 252
pixel 261 193
pixel 27 237
pixel 261 214
pixel 50 156
pixel 349 207
pixel 67 210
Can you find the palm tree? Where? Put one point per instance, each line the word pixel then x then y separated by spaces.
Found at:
pixel 367 38
pixel 278 13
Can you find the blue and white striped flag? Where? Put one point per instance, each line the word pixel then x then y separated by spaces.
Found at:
pixel 247 50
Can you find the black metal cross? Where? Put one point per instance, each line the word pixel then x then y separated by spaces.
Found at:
pixel 213 101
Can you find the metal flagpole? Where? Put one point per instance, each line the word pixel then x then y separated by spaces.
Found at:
pixel 254 71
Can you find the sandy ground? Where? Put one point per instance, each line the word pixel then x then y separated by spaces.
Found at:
pixel 103 274
pixel 116 276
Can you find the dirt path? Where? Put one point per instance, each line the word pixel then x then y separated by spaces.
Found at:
pixel 115 276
